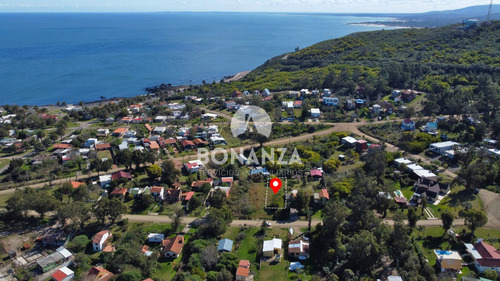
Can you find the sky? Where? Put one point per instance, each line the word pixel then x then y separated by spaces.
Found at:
pixel 323 6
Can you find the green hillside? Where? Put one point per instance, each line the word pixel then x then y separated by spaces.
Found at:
pixel 447 61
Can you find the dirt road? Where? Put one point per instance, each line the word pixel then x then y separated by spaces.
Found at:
pixel 491 202
pixel 256 223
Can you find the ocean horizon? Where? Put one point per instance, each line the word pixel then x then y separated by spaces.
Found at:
pixel 72 57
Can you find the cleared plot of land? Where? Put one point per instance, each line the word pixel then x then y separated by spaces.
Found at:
pixel 491 202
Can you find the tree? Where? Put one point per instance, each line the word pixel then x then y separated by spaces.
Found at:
pixel 225 275
pixel 81 193
pixel 115 209
pixel 143 201
pixel 423 203
pixel 364 251
pixel 137 158
pixel 169 174
pixel 473 219
pixel 490 274
pixel 217 199
pixel 124 157
pixel 447 219
pixel 194 203
pixel 154 172
pixel 177 218
pixel 130 275
pixel 43 203
pixel 209 257
pixel 76 212
pixel 79 243
pixel 412 218
pixel 109 209
pixel 375 164
pixel 331 165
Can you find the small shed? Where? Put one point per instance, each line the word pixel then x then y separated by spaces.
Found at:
pixel 225 245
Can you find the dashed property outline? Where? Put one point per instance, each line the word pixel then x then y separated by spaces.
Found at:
pixel 286 193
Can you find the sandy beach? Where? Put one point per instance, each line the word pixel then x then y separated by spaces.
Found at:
pixel 238 76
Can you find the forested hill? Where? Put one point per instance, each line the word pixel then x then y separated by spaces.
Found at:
pixel 444 61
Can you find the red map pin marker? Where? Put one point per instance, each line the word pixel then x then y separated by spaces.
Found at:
pixel 275 185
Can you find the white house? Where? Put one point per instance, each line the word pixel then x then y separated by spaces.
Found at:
pixel 331 101
pixel 272 247
pixel 441 147
pixel 123 145
pixel 161 119
pixel 349 141
pixel 156 237
pixel 315 112
pixel 398 162
pixel 105 180
pixel 287 105
pixel 159 130
pixel 99 240
pixel 215 140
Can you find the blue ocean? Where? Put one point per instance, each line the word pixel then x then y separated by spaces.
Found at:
pixel 71 57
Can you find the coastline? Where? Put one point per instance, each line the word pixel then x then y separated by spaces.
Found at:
pixel 238 76
pixel 378 25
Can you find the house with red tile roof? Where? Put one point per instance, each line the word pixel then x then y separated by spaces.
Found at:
pixel 187 196
pixel 172 247
pixel 187 144
pixel 316 174
pixel 484 255
pixel 120 131
pixel 192 167
pixel 198 184
pixel 100 239
pixel 120 175
pixel 102 146
pixel 63 274
pixel 200 143
pixel 153 145
pixel 119 192
pixel 298 249
pixel 98 274
pixel 62 146
pixel 324 194
pixel 173 195
pixel 148 127
pixel 158 192
pixel 76 184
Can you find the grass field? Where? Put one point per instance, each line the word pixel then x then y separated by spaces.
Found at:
pixel 4 162
pixel 3 200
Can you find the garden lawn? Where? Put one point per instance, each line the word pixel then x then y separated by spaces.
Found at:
pixel 273 272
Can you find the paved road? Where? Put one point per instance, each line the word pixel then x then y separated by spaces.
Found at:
pixel 256 223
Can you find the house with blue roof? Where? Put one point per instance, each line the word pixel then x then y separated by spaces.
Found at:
pixel 259 170
pixel 225 245
pixel 430 127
